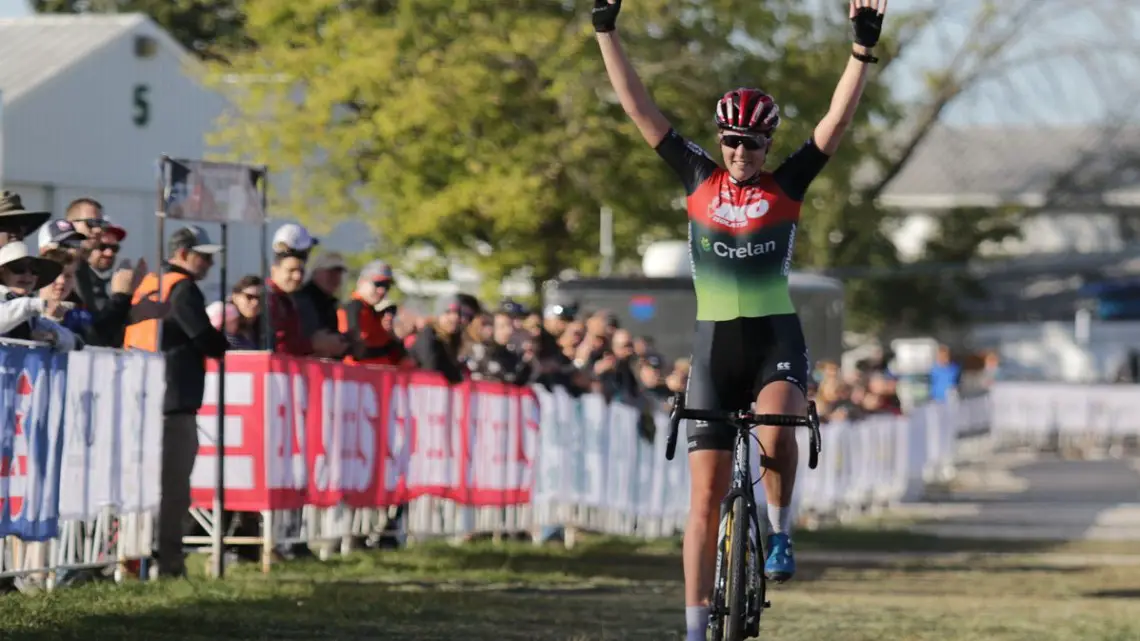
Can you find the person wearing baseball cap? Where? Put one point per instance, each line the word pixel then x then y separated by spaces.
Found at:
pixel 59 234
pixel 363 323
pixel 293 239
pixel 438 345
pixel 318 299
pixel 187 338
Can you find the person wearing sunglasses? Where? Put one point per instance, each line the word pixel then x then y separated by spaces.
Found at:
pixel 23 314
pixel 749 345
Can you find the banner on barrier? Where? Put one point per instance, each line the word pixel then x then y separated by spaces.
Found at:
pixel 112 451
pixel 31 394
pixel 307 432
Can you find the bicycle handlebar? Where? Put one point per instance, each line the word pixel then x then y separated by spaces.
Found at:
pixel 742 419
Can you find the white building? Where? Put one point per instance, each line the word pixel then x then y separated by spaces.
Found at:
pixel 90 102
pixel 1081 186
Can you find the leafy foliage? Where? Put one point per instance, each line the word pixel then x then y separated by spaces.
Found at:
pixel 475 124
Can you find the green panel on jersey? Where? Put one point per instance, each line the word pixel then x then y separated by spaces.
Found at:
pixel 743 274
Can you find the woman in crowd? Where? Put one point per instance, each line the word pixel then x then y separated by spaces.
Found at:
pixel 23 315
pixel 68 309
pixel 247 296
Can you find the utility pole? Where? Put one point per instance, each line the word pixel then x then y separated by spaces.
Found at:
pixel 606 240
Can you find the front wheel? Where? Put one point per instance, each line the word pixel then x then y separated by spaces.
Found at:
pixel 736 594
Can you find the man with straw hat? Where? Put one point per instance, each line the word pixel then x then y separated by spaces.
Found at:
pixel 16 222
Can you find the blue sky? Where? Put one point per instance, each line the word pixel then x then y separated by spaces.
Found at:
pixel 1093 69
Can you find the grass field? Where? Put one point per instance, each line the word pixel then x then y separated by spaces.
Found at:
pixel 615 589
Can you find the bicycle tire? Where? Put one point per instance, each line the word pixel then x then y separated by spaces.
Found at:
pixel 736 593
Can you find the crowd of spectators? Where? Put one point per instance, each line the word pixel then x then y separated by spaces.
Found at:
pixel 71 293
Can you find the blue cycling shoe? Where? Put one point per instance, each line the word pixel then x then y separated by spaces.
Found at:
pixel 781 563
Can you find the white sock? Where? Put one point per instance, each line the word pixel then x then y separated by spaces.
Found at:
pixel 696 622
pixel 780 518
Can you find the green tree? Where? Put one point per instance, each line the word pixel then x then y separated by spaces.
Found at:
pixel 209 28
pixel 930 293
pixel 472 125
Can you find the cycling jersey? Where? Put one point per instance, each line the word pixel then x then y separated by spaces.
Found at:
pixel 741 235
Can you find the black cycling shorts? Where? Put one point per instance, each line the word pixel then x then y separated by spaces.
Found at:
pixel 732 361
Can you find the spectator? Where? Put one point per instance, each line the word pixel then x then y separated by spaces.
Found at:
pixel 991 369
pixel 515 310
pixel 187 339
pixel 223 317
pixel 294 239
pixel 678 379
pixel 15 221
pixel 555 318
pixel 60 234
pixel 69 311
pixel 23 315
pixel 317 301
pixel 653 381
pixel 944 376
pixel 106 292
pixel 833 401
pixel 497 359
pixel 643 346
pixel 615 369
pixel 285 278
pixel 362 322
pixel 86 215
pixel 246 296
pixel 388 312
pixel 437 346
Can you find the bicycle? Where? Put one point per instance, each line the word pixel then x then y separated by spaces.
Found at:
pixel 739 592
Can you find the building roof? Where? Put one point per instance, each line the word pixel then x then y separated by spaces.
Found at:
pixel 35 49
pixel 988 166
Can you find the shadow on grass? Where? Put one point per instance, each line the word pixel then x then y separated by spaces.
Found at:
pixel 599 561
pixel 193 611
pixel 898 540
pixel 1114 594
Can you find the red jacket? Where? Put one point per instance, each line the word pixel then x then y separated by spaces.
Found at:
pixel 287 335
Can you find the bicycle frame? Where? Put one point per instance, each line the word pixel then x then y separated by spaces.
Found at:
pixel 741 487
pixel 755 547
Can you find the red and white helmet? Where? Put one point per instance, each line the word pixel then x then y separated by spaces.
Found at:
pixel 749 111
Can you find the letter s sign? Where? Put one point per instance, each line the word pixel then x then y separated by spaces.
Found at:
pixel 141 101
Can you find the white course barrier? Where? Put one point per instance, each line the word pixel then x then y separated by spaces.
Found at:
pixel 80 460
pixel 345 447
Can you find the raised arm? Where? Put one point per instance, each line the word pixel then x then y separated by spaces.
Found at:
pixel 867 19
pixel 635 100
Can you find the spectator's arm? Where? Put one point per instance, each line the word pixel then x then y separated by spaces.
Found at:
pixel 188 309
pixel 18 311
pixel 348 323
pixel 429 356
pixel 107 322
pixel 63 339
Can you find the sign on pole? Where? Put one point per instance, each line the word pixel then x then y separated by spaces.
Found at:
pixel 215 192
pixel 225 193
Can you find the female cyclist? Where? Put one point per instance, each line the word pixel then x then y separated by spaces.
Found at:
pixel 748 345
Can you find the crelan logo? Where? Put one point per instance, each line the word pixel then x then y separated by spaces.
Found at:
pixel 724 250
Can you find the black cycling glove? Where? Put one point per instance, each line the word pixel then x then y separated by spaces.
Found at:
pixel 868 24
pixel 605 15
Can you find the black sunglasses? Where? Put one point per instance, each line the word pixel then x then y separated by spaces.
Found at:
pixel 750 143
pixel 20 268
pixel 114 247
